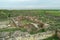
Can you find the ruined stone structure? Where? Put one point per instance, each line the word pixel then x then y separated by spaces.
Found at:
pixel 35 23
pixel 58 33
pixel 18 35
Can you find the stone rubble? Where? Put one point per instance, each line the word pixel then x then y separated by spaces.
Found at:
pixel 18 35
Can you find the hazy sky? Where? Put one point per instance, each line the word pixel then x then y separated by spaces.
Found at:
pixel 28 4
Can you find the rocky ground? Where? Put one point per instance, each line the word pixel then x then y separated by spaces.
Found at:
pixel 3 24
pixel 18 35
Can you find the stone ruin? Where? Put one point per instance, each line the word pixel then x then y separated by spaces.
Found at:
pixel 35 23
pixel 58 33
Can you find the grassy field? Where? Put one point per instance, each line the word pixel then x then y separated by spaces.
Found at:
pixel 12 13
pixel 6 14
pixel 52 38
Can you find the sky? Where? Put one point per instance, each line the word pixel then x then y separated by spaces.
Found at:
pixel 29 4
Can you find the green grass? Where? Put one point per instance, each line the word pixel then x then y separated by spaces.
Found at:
pixel 52 38
pixel 12 29
pixel 55 13
pixel 25 21
pixel 14 13
pixel 9 30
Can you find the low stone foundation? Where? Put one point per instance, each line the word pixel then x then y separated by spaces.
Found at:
pixel 18 35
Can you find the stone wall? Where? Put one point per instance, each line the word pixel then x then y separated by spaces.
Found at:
pixel 58 33
pixel 18 35
pixel 33 19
